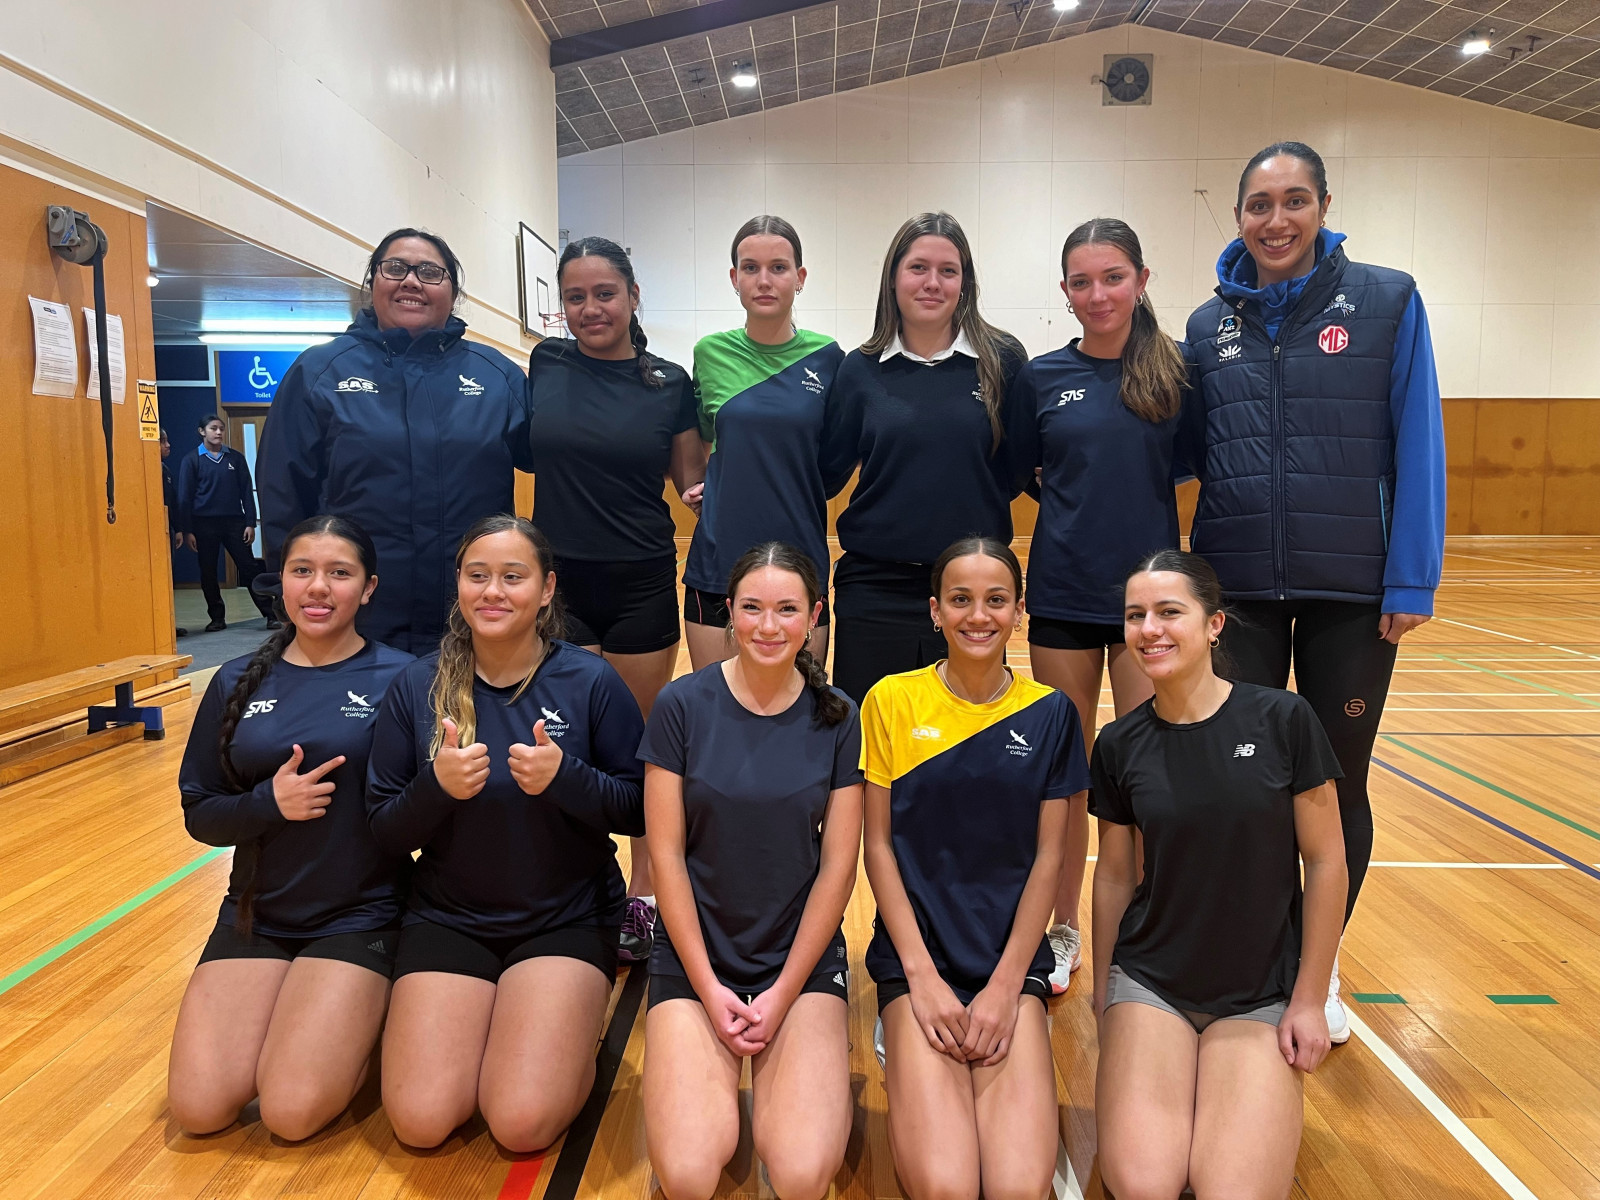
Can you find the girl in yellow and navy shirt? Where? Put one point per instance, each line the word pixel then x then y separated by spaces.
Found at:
pixel 969 772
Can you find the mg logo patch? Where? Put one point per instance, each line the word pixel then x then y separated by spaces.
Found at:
pixel 1333 339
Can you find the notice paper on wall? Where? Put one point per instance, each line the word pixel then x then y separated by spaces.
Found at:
pixel 119 369
pixel 55 352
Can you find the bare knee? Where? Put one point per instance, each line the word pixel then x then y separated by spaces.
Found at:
pixel 527 1126
pixel 1217 1186
pixel 1140 1181
pixel 422 1123
pixel 1018 1181
pixel 929 1182
pixel 202 1115
pixel 801 1173
pixel 691 1172
pixel 294 1113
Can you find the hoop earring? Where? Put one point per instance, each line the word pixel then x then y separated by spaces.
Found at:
pixel 1215 642
pixel 1070 309
pixel 938 628
pixel 809 632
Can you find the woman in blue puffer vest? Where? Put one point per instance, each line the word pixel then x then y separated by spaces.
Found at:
pixel 1322 468
pixel 403 425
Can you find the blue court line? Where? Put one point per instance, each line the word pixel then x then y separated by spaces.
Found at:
pixel 1495 821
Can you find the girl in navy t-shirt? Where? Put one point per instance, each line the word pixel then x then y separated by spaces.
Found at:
pixel 753 794
pixel 290 991
pixel 509 759
pixel 1097 420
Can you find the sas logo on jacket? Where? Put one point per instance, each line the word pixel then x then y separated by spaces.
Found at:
pixel 470 387
pixel 356 384
pixel 257 707
pixel 1069 396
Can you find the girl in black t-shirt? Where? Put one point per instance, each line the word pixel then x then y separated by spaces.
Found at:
pixel 753 798
pixel 508 759
pixel 922 410
pixel 290 990
pixel 608 421
pixel 1209 994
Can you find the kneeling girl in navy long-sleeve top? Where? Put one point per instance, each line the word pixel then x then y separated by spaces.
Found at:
pixel 1098 419
pixel 509 758
pixel 754 800
pixel 291 988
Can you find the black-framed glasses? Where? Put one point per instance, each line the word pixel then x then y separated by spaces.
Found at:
pixel 398 268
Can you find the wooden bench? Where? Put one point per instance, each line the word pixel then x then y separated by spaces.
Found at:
pixel 24 707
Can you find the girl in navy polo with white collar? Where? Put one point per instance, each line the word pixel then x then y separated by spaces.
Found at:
pixel 291 988
pixel 1098 420
pixel 509 758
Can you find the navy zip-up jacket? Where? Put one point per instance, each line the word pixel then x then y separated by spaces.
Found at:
pixel 414 439
pixel 504 863
pixel 210 487
pixel 312 878
pixel 1323 468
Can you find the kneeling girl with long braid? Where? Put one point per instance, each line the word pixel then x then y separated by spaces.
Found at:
pixel 291 988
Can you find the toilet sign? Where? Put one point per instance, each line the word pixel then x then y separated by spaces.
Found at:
pixel 149 411
pixel 251 376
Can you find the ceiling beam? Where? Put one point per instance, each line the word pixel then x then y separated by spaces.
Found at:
pixel 686 22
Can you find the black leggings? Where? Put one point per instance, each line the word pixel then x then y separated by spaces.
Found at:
pixel 1343 668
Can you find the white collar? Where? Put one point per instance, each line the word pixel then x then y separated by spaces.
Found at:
pixel 960 346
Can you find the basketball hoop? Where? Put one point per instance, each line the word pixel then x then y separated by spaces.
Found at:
pixel 555 324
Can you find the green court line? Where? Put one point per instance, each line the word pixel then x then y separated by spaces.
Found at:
pixel 1378 997
pixel 116 914
pixel 1495 788
pixel 1461 662
pixel 1514 999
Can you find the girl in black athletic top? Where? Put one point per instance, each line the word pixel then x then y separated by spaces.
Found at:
pixel 1098 420
pixel 923 410
pixel 509 758
pixel 290 991
pixel 1211 970
pixel 753 794
pixel 608 422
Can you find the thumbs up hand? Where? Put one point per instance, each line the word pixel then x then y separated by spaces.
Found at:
pixel 461 772
pixel 533 767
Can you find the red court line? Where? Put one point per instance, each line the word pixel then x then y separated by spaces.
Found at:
pixel 519 1182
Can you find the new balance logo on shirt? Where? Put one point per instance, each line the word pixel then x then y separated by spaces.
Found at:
pixel 1244 750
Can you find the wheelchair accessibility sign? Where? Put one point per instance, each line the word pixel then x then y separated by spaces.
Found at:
pixel 251 376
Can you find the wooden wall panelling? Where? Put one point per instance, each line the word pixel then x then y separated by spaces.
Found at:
pixel 1572 471
pixel 1508 466
pixel 1460 436
pixel 77 591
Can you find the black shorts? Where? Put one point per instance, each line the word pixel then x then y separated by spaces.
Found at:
pixel 374 949
pixel 885 626
pixel 425 946
pixel 622 607
pixel 1054 634
pixel 711 608
pixel 678 987
pixel 891 990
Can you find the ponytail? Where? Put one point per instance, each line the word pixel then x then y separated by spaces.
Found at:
pixel 647 366
pixel 1154 376
pixel 831 707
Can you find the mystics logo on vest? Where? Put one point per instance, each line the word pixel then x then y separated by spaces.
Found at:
pixel 1333 339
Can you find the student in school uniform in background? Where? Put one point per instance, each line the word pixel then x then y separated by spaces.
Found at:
pixel 217 512
pixel 290 991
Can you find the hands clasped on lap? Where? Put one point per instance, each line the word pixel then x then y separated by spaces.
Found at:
pixel 463 770
pixel 978 1033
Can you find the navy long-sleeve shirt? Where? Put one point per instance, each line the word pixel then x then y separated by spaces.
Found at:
pixel 504 863
pixel 214 487
pixel 312 878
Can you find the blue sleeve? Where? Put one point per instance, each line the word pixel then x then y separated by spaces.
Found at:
pixel 841 430
pixel 289 465
pixel 1069 771
pixel 607 794
pixel 214 812
pixel 184 516
pixel 247 492
pixel 1416 537
pixel 1022 433
pixel 405 804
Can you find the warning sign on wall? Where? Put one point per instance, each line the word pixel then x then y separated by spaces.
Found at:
pixel 149 412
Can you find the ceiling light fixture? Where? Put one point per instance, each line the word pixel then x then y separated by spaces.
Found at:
pixel 744 75
pixel 270 325
pixel 264 339
pixel 1475 44
pixel 1065 5
pixel 151 281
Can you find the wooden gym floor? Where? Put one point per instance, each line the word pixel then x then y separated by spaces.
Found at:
pixel 1472 969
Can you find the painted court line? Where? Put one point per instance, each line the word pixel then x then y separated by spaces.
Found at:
pixel 1066 1181
pixel 1472 866
pixel 116 914
pixel 1494 787
pixel 1469 1141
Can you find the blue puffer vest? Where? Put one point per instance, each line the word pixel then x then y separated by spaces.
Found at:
pixel 1298 471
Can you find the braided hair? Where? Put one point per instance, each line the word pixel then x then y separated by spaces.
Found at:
pixel 832 708
pixel 599 247
pixel 247 855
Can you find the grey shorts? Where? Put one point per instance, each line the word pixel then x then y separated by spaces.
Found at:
pixel 1121 988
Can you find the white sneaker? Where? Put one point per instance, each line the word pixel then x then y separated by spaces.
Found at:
pixel 1066 943
pixel 877 1043
pixel 1333 1010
